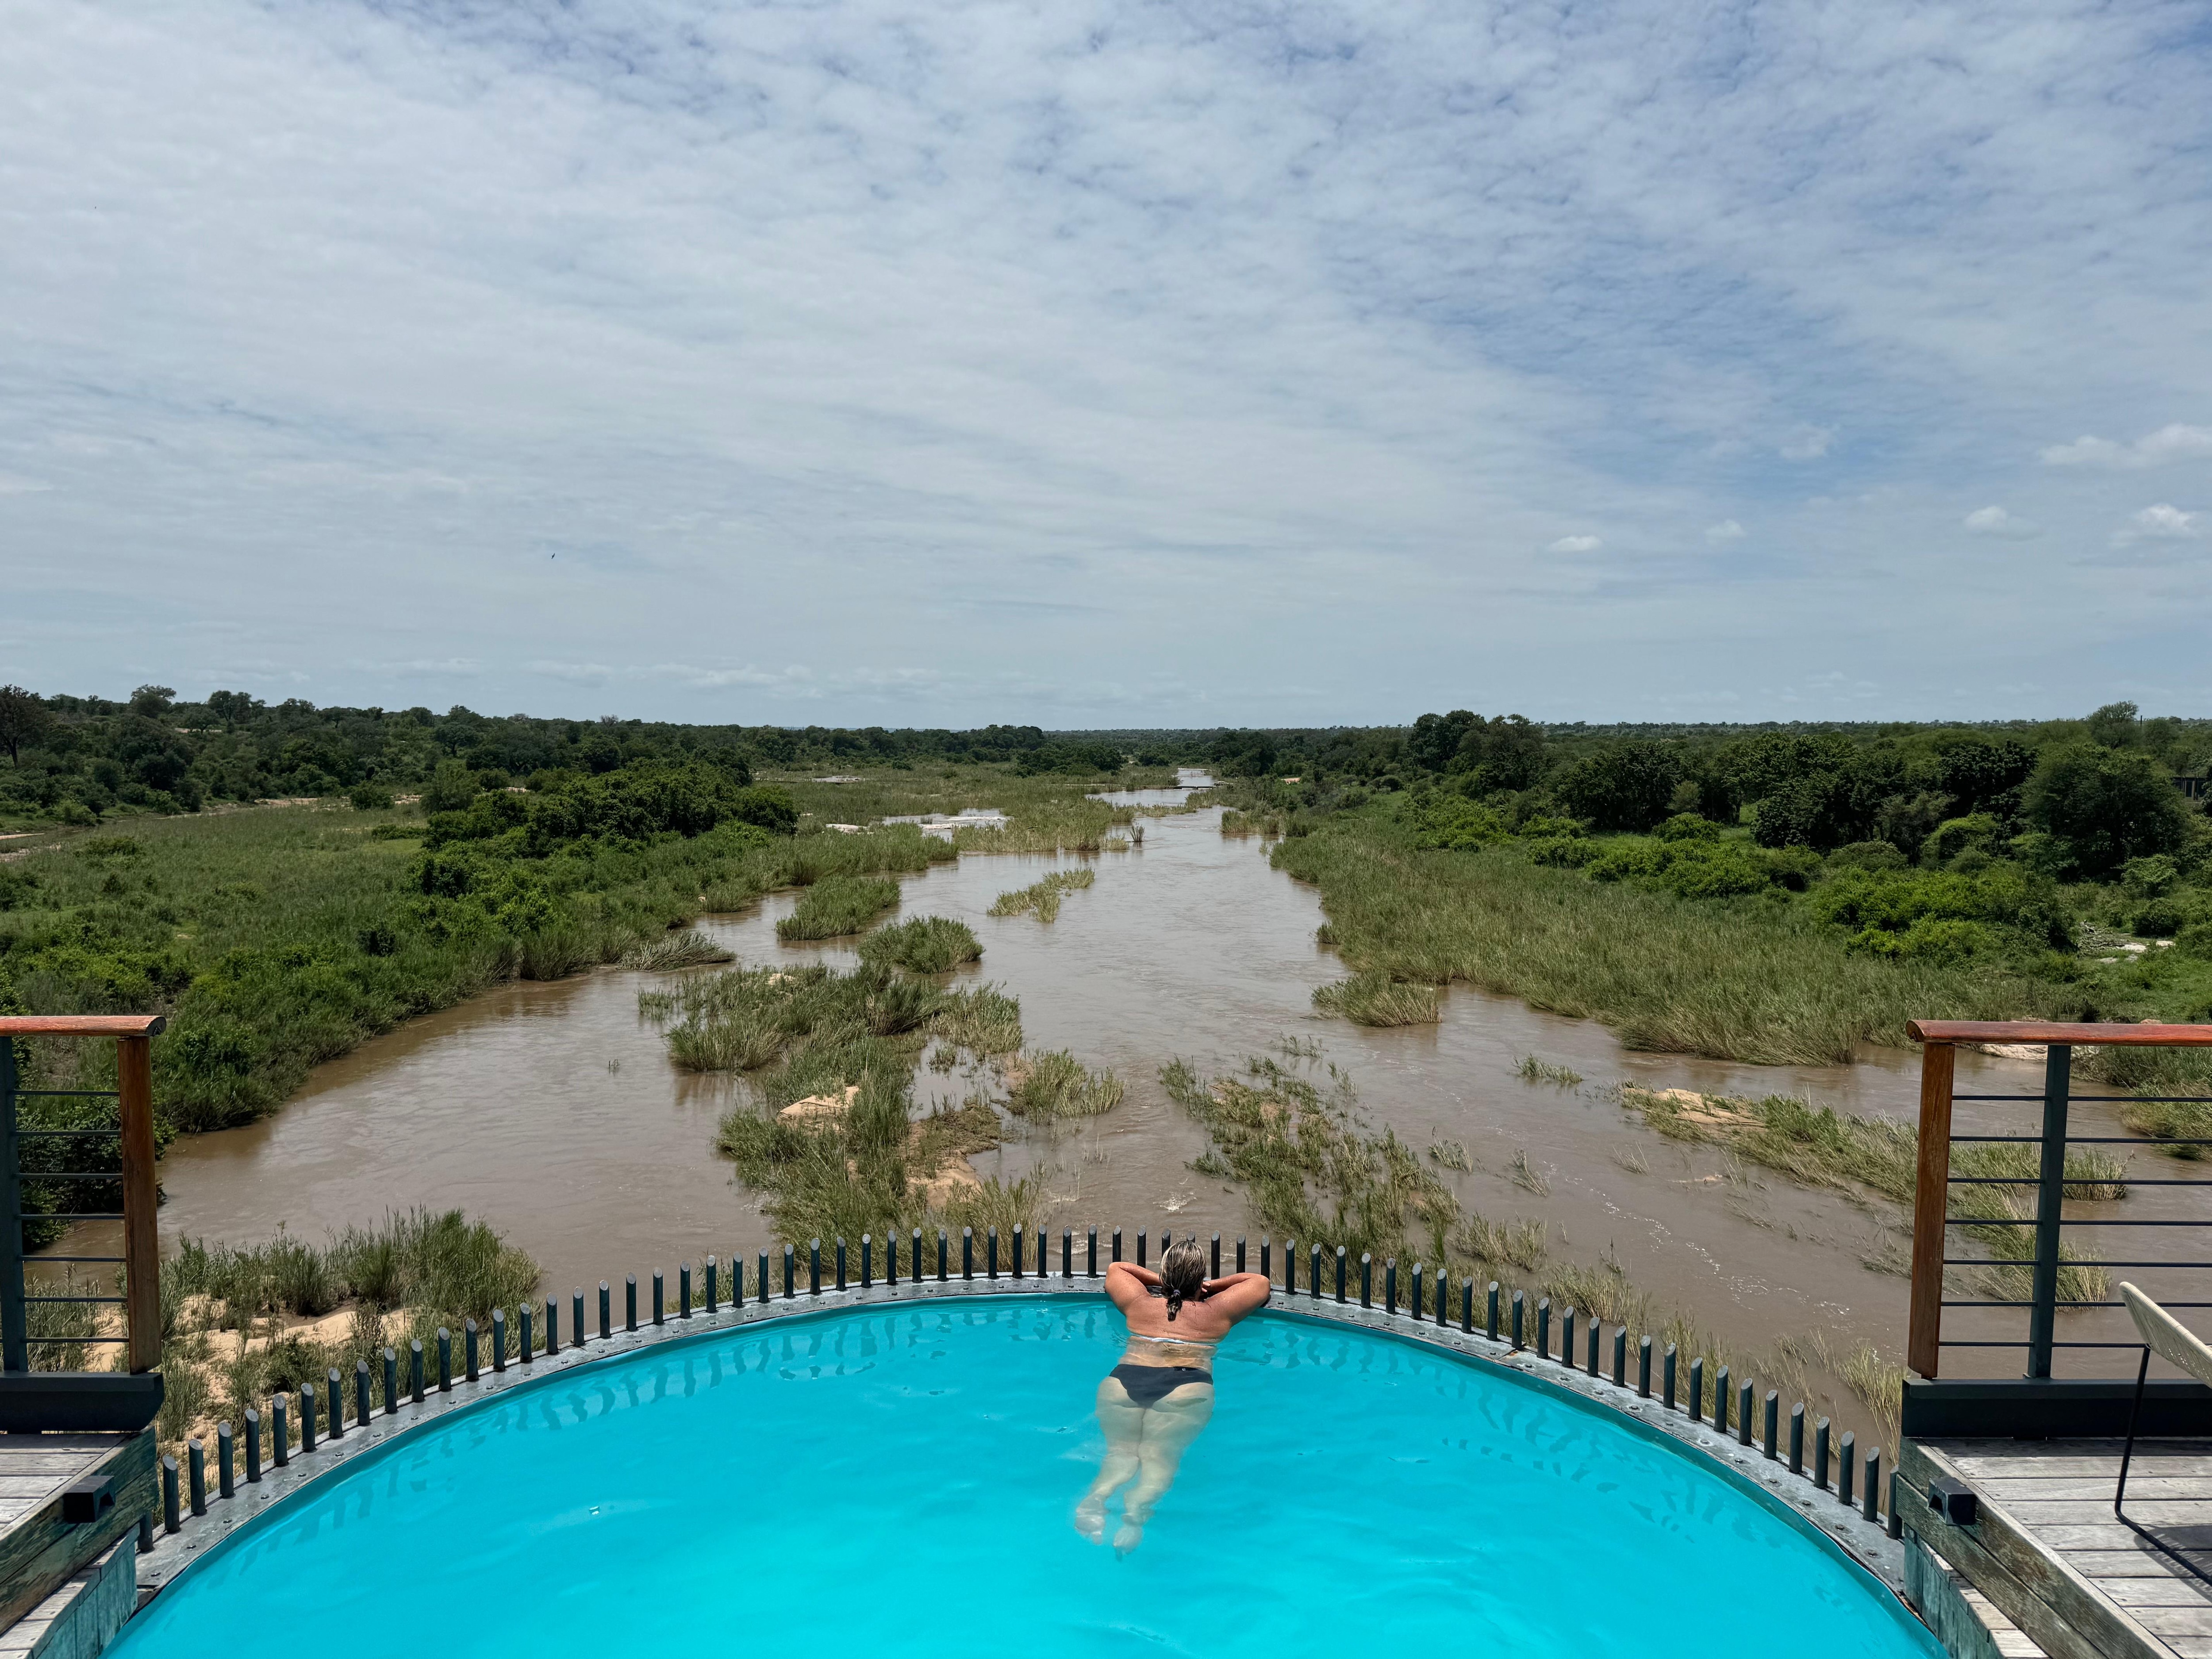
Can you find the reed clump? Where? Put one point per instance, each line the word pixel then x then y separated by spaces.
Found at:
pixel 1041 899
pixel 1534 1070
pixel 1054 1084
pixel 1377 1000
pixel 925 945
pixel 687 949
pixel 1740 979
pixel 749 1018
pixel 837 905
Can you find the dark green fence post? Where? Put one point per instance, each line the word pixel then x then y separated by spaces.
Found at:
pixel 222 1448
pixel 1620 1357
pixel 1773 1423
pixel 2051 1190
pixel 1543 1327
pixel 1643 1368
pixel 1491 1326
pixel 1820 1456
pixel 1390 1285
pixel 968 1253
pixel 253 1446
pixel 1846 1467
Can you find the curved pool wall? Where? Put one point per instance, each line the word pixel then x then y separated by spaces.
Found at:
pixel 657 1490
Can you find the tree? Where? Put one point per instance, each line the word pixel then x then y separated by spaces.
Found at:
pixel 229 706
pixel 1630 786
pixel 2107 805
pixel 2113 726
pixel 153 700
pixel 23 720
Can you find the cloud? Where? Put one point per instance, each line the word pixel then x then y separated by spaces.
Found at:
pixel 11 485
pixel 2168 443
pixel 2163 522
pixel 1995 521
pixel 942 365
pixel 1728 529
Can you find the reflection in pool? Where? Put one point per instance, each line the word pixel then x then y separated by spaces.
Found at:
pixel 899 1480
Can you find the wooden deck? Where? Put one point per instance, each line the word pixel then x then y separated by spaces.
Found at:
pixel 2048 1550
pixel 39 1550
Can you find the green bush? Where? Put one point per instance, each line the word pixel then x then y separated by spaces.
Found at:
pixel 1955 836
pixel 1566 852
pixel 1688 826
pixel 926 945
pixel 1867 855
pixel 1455 824
pixel 2162 918
pixel 2150 878
pixel 2195 941
pixel 1629 858
pixel 370 798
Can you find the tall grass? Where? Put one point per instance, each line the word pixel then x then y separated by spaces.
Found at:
pixel 836 905
pixel 1055 1084
pixel 1378 999
pixel 925 945
pixel 687 949
pixel 1042 899
pixel 1738 980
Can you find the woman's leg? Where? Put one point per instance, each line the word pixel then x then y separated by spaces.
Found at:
pixel 1124 1423
pixel 1169 1429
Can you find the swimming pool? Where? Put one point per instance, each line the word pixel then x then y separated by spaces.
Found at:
pixel 900 1479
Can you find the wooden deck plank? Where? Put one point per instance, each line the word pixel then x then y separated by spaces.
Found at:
pixel 2168 1592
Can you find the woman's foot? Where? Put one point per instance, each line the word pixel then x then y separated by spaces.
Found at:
pixel 1131 1534
pixel 1091 1519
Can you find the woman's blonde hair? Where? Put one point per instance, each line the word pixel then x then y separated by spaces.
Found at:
pixel 1182 1274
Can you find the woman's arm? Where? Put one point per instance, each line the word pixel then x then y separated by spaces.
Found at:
pixel 1238 1294
pixel 1126 1283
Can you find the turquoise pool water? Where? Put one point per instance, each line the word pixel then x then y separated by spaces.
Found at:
pixel 900 1480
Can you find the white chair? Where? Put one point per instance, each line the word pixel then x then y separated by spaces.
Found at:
pixel 2173 1342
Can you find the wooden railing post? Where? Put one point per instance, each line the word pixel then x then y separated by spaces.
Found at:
pixel 1931 1198
pixel 142 1249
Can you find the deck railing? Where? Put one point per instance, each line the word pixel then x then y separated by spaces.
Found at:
pixel 109 1162
pixel 1964 1257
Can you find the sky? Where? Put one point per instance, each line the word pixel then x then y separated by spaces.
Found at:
pixel 1111 364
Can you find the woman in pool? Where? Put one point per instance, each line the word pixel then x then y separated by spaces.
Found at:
pixel 1153 1403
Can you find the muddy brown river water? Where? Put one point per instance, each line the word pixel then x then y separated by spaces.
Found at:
pixel 550 1110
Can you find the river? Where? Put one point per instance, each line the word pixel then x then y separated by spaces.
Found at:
pixel 550 1110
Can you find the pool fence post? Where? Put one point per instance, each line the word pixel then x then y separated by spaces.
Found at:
pixel 1543 1327
pixel 867 1261
pixel 1443 1304
pixel 1744 1397
pixel 1771 1431
pixel 252 1447
pixel 1620 1357
pixel 940 1256
pixel 1567 1338
pixel 1698 1389
pixel 968 1253
pixel 280 1412
pixel 222 1448
pixel 415 1367
pixel 1339 1274
pixel 1870 1490
pixel 1721 1399
pixel 1141 1237
pixel 683 1291
pixel 197 1454
pixel 171 1521
pixel 1043 1263
pixel 1467 1307
pixel 306 1395
pixel 499 1338
pixel 606 1311
pixel 841 1261
pixel 814 1267
pixel 1390 1285
pixel 1797 1438
pixel 469 1347
pixel 890 1257
pixel 711 1286
pixel 1117 1243
pixel 630 1301
pixel 1643 1368
pixel 1067 1253
pixel 1240 1254
pixel 1417 1296
pixel 334 1404
pixel 1090 1253
pixel 1018 1242
pixel 790 1272
pixel 1289 1267
pixel 526 1342
pixel 364 1395
pixel 1667 1375
pixel 1216 1274
pixel 444 1363
pixel 1313 1277
pixel 1490 1326
pixel 1366 1279
pixel 766 1289
pixel 1519 1305
pixel 1846 1467
pixel 1820 1456
pixel 1266 1258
